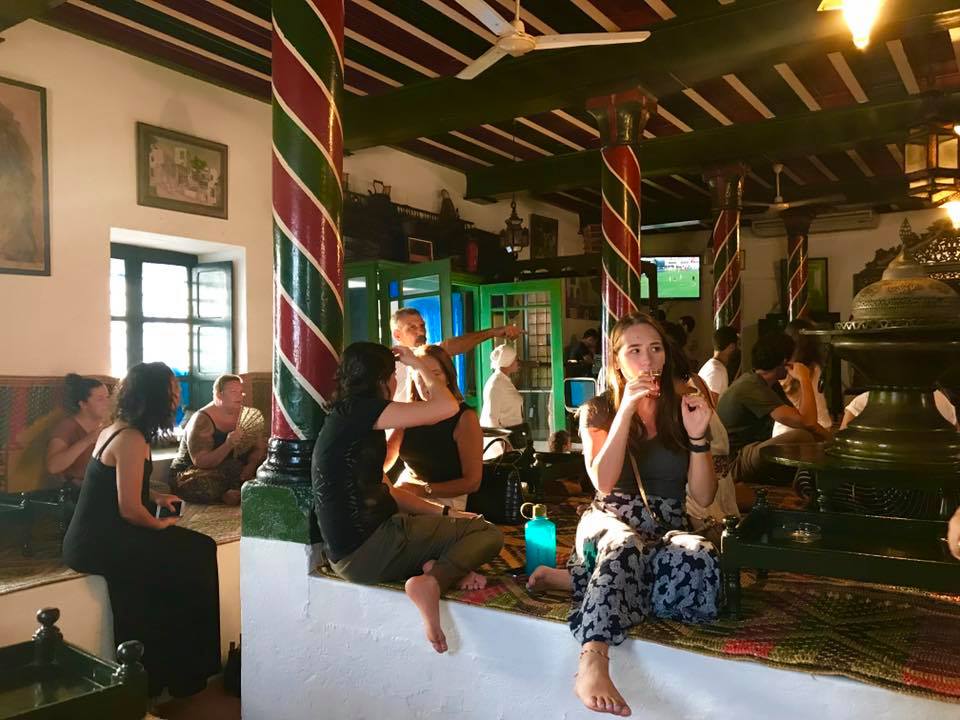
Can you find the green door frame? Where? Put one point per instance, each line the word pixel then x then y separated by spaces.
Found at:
pixel 368 270
pixel 390 271
pixel 554 290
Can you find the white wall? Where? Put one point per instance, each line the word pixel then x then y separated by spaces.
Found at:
pixel 417 182
pixel 335 650
pixel 846 253
pixel 95 95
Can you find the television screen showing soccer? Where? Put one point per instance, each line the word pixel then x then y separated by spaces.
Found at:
pixel 678 278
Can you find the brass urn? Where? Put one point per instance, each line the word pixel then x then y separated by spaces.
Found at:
pixel 904 337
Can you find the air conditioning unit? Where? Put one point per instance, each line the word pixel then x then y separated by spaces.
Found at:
pixel 826 223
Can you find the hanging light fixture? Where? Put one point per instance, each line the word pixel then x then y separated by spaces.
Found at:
pixel 860 15
pixel 515 237
pixel 931 161
pixel 953 211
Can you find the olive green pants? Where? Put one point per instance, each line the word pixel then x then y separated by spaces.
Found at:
pixel 399 548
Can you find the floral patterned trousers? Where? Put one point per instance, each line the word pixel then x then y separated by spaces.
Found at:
pixel 627 566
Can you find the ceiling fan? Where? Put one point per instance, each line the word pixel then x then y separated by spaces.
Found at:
pixel 512 38
pixel 779 204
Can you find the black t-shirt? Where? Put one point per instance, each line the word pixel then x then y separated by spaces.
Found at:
pixel 350 497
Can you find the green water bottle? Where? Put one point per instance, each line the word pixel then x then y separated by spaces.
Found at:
pixel 540 535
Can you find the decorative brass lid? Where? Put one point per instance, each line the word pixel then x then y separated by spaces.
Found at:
pixel 905 297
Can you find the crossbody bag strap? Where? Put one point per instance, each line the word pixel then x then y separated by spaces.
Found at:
pixel 643 493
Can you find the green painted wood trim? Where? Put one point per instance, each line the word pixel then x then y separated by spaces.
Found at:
pixel 368 271
pixel 692 153
pixel 277 512
pixel 554 289
pixel 694 49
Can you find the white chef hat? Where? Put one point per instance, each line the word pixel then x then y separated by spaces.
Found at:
pixel 502 356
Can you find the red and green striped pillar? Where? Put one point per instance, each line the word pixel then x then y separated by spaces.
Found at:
pixel 797 222
pixel 726 184
pixel 307 164
pixel 620 119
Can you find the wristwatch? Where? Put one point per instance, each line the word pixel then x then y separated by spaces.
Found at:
pixel 427 490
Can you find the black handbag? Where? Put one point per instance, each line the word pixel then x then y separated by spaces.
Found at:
pixel 501 493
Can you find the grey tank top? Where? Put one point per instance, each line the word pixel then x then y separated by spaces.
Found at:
pixel 663 470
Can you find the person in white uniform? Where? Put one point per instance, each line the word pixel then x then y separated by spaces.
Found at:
pixel 502 403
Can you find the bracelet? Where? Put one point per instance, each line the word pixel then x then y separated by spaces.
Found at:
pixel 699 448
pixel 446 510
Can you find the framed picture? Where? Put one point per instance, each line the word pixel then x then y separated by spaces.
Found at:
pixel 818 298
pixel 180 172
pixel 24 195
pixel 543 236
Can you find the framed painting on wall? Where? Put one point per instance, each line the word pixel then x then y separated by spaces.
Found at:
pixel 543 236
pixel 818 296
pixel 181 172
pixel 24 194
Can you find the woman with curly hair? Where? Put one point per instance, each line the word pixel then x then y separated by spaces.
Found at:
pixel 645 445
pixel 162 579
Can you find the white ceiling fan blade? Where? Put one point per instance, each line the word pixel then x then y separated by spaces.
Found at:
pixel 755 203
pixel 481 63
pixel 824 200
pixel 551 42
pixel 488 16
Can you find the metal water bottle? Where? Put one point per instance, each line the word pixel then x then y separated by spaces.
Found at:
pixel 540 535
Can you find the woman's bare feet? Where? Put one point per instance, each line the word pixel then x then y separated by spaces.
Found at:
pixel 548 578
pixel 424 591
pixel 593 684
pixel 472 581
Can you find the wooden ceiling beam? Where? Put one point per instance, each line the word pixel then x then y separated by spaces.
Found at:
pixel 14 12
pixel 681 52
pixel 693 153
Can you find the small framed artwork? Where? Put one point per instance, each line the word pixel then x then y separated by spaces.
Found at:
pixel 818 297
pixel 181 172
pixel 543 236
pixel 24 194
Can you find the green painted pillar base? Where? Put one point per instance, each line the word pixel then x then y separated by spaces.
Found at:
pixel 278 512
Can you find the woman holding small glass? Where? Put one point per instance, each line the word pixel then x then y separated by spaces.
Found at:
pixel 645 446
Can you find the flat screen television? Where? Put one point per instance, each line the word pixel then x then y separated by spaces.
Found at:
pixel 678 277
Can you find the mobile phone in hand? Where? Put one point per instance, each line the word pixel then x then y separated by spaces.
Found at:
pixel 163 512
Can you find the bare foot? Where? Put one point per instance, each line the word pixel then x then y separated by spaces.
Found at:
pixel 231 497
pixel 548 578
pixel 595 688
pixel 472 581
pixel 424 591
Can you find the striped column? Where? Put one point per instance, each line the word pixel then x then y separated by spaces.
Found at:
pixel 620 119
pixel 727 186
pixel 307 162
pixel 797 221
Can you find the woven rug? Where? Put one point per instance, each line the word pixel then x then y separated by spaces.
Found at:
pixel 45 566
pixel 898 638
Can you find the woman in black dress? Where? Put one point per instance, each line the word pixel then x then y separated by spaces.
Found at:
pixel 162 579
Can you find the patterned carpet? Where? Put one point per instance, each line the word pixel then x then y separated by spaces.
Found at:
pixel 898 638
pixel 17 572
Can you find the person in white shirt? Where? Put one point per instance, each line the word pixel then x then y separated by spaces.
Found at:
pixel 726 346
pixel 856 406
pixel 502 403
pixel 408 329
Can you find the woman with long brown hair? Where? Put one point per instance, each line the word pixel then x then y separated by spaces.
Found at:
pixel 644 445
pixel 444 460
